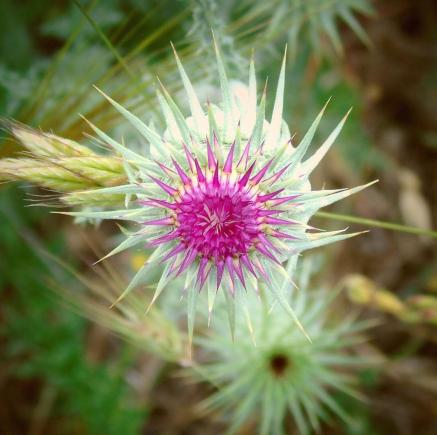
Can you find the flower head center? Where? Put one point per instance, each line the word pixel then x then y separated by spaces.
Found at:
pixel 279 363
pixel 220 217
pixel 217 224
pixel 216 219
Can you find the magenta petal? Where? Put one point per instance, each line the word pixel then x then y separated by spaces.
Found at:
pixel 246 261
pixel 243 181
pixel 164 239
pixel 278 221
pixel 220 269
pixel 170 190
pixel 263 250
pixel 163 221
pixel 154 202
pixel 211 158
pixel 203 272
pixel 227 168
pixel 267 243
pixel 172 267
pixel 188 259
pixel 258 177
pixel 274 178
pixel 175 251
pixel 215 178
pixel 260 269
pixel 165 169
pixel 278 201
pixel 182 175
pixel 268 196
pixel 200 175
pixel 189 157
pixel 281 235
pixel 245 156
pixel 230 269
pixel 239 271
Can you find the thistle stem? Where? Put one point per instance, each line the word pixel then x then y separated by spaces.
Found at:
pixel 378 224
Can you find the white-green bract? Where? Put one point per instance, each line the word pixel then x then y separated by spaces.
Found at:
pixel 274 372
pixel 222 197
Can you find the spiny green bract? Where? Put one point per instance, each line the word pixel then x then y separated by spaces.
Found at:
pixel 214 154
pixel 308 20
pixel 274 371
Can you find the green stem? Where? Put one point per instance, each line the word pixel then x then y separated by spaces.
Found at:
pixel 105 39
pixel 374 223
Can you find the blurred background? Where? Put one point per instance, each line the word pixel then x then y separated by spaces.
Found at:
pixel 63 374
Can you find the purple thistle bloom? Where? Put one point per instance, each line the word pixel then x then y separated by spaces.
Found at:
pixel 219 218
pixel 222 196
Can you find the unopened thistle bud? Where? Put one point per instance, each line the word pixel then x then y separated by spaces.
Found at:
pixel 263 376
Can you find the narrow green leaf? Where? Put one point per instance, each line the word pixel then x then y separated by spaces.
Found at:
pixel 178 116
pixel 274 131
pixel 304 144
pixel 230 310
pixel 257 133
pixel 321 239
pixel 281 297
pixel 126 244
pixel 193 101
pixel 316 203
pixel 125 152
pixel 296 411
pixel 130 214
pixel 309 165
pixel 191 309
pixel 151 136
pixel 228 104
pixel 142 272
pixel 163 281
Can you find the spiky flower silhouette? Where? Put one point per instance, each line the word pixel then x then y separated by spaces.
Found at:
pixel 306 20
pixel 284 373
pixel 223 197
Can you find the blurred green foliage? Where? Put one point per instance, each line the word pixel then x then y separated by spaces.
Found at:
pixel 46 341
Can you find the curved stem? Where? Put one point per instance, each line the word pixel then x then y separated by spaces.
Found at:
pixel 379 224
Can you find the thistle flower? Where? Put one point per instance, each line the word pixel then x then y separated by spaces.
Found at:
pixel 284 373
pixel 223 198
